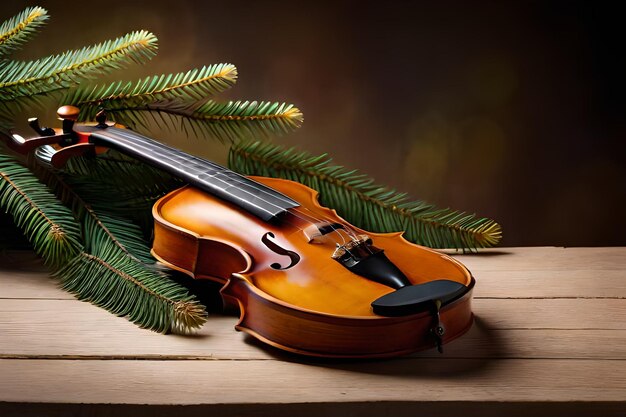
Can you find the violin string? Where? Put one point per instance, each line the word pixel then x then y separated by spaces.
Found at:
pixel 147 144
pixel 163 153
pixel 150 145
pixel 174 156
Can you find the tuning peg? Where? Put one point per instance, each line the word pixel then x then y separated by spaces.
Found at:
pixel 69 115
pixel 68 112
pixel 42 131
pixel 101 118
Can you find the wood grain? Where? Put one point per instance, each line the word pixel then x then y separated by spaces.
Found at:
pixel 545 259
pixel 263 381
pixel 506 272
pixel 504 328
pixel 583 283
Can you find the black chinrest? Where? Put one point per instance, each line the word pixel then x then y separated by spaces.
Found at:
pixel 413 299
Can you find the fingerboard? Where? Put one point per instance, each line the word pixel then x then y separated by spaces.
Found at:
pixel 249 195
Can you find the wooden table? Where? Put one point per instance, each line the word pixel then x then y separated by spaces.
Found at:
pixel 549 338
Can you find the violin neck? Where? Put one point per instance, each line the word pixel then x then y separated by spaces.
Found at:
pixel 256 198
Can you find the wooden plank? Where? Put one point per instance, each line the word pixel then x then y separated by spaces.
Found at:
pixel 504 284
pixel 504 328
pixel 544 259
pixel 606 314
pixel 46 328
pixel 523 273
pixel 23 275
pixel 31 285
pixel 531 349
pixel 495 259
pixel 583 283
pixel 266 381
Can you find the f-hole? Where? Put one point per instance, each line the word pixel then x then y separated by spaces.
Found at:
pixel 274 247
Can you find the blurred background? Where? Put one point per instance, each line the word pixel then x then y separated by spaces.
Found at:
pixel 511 110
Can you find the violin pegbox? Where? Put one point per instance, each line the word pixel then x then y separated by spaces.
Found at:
pixel 48 136
pixel 72 140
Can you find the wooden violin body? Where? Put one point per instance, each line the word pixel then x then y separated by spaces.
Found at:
pixel 315 307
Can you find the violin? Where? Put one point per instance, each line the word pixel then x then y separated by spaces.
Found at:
pixel 304 279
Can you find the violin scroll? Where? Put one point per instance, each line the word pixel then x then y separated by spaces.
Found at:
pixel 48 136
pixel 69 142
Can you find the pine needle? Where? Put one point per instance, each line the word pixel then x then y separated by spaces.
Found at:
pixel 136 185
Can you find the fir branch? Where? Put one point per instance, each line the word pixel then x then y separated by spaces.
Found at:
pixel 126 236
pixel 132 291
pixel 49 225
pixel 121 173
pixel 362 202
pixel 117 272
pixel 226 122
pixel 135 185
pixel 21 79
pixel 196 85
pixel 19 29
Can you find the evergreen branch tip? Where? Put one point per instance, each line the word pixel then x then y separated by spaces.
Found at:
pixel 364 203
pixel 17 30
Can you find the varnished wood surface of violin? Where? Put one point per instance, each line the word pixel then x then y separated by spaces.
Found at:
pixel 315 306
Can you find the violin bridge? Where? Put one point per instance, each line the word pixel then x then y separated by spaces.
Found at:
pixel 357 245
pixel 317 230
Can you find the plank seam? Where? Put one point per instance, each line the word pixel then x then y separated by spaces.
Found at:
pixel 181 358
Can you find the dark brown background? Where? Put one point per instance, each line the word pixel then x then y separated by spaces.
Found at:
pixel 512 110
